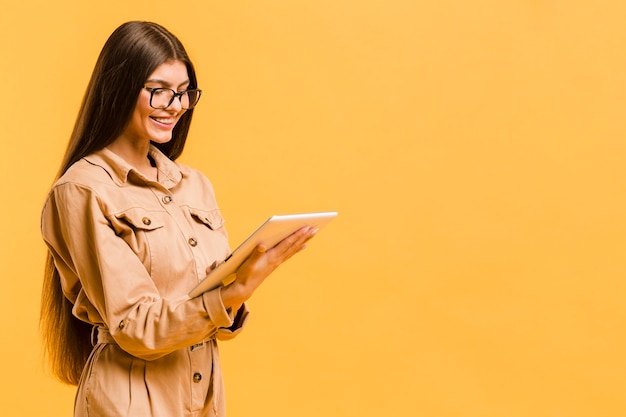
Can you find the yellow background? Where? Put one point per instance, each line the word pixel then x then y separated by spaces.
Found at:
pixel 475 151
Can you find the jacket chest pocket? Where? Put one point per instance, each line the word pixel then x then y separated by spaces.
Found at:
pixel 145 233
pixel 209 225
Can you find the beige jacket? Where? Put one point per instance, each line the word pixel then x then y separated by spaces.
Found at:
pixel 128 251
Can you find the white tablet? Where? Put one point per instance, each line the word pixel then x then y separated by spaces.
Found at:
pixel 270 233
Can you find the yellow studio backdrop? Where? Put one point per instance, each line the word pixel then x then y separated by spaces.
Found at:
pixel 475 151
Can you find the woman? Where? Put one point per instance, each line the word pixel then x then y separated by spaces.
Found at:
pixel 130 232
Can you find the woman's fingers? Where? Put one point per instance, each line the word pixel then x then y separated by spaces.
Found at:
pixel 263 261
pixel 293 243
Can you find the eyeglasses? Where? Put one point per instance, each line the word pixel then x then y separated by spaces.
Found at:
pixel 162 98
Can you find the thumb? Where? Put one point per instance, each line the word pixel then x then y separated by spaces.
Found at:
pixel 211 267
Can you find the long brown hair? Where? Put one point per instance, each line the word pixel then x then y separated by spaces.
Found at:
pixel 132 52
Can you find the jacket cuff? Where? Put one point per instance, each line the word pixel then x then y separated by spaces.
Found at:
pixel 240 320
pixel 215 308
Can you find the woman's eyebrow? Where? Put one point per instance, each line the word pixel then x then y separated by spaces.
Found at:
pixel 166 83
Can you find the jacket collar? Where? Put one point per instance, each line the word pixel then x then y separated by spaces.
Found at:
pixel 170 173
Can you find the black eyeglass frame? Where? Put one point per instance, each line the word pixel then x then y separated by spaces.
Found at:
pixel 151 90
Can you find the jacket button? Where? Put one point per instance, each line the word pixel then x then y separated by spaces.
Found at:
pixel 197 377
pixel 167 199
pixel 146 221
pixel 193 242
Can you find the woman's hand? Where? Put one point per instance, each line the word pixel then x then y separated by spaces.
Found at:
pixel 260 264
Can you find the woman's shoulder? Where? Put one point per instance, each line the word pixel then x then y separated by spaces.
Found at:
pixel 83 173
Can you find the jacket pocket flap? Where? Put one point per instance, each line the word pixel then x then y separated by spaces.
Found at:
pixel 212 218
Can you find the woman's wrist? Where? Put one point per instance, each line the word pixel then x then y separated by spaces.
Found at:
pixel 233 295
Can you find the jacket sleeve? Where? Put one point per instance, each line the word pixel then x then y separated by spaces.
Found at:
pixel 109 285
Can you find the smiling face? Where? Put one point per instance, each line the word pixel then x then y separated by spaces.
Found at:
pixel 156 125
